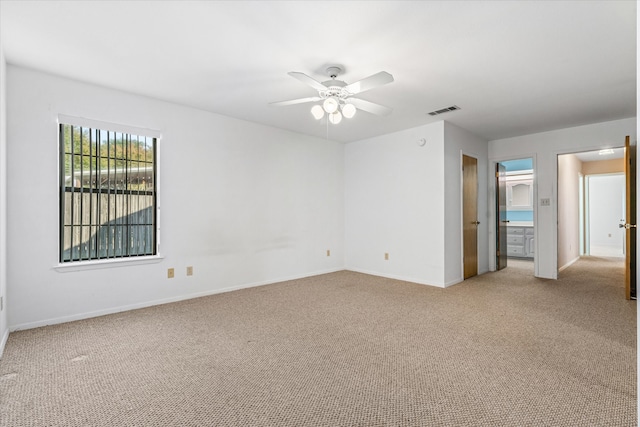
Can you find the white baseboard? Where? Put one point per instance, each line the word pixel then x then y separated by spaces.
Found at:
pixel 112 310
pixel 3 342
pixel 460 279
pixel 453 282
pixel 395 277
pixel 568 264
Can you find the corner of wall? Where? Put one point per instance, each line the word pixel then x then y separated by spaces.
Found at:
pixel 4 326
pixel 394 192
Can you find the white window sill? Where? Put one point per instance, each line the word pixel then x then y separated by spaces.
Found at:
pixel 107 263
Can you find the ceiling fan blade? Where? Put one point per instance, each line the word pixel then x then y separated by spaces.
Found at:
pixel 296 101
pixel 307 80
pixel 370 107
pixel 378 79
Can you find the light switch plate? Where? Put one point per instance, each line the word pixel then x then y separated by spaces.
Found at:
pixel 545 202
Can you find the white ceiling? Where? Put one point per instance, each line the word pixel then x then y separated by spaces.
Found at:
pixel 595 156
pixel 514 67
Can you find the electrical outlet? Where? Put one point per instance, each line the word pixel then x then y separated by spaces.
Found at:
pixel 386 256
pixel 328 252
pixel 545 202
pixel 170 273
pixel 190 271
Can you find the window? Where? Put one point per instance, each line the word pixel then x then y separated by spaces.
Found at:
pixel 107 194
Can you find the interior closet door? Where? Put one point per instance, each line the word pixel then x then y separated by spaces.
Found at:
pixel 630 220
pixel 470 215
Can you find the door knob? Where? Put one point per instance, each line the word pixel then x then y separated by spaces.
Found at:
pixel 627 226
pixel 475 222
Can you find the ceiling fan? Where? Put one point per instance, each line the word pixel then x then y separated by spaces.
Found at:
pixel 337 96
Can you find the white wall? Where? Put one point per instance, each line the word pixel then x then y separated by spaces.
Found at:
pixel 458 141
pixel 569 167
pixel 603 166
pixel 394 191
pixel 244 204
pixel 4 325
pixel 545 147
pixel 406 200
pixel 606 208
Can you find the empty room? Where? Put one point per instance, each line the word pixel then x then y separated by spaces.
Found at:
pixel 281 213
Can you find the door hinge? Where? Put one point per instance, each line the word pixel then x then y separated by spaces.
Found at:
pixel 497 174
pixel 498 253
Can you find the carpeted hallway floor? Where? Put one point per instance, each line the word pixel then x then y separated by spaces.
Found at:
pixel 343 349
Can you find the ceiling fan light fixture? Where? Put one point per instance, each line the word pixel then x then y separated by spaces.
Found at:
pixel 335 117
pixel 348 110
pixel 334 96
pixel 317 112
pixel 330 105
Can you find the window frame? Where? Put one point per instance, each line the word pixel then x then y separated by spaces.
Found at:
pixel 113 261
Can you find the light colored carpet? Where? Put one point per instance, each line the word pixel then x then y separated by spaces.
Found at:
pixel 343 349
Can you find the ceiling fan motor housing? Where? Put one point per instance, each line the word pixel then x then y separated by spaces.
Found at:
pixel 334 87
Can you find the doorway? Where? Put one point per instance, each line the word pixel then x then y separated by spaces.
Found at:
pixel 604 206
pixel 596 215
pixel 515 230
pixel 590 205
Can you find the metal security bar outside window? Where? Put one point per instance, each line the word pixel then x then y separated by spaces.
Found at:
pixel 107 194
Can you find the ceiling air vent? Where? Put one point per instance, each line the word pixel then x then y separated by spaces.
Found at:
pixel 444 110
